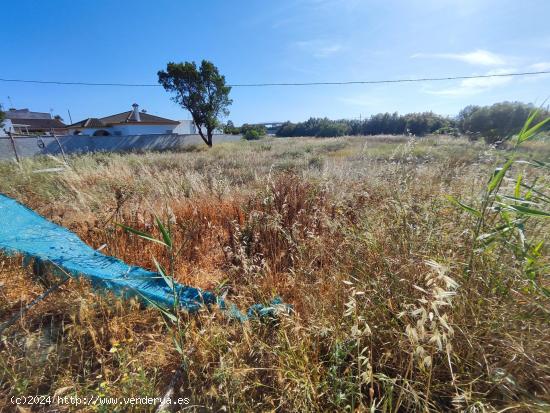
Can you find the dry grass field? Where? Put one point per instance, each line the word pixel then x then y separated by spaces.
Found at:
pixel 395 308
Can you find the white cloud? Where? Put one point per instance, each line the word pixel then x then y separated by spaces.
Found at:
pixel 541 66
pixel 477 57
pixel 475 86
pixel 319 48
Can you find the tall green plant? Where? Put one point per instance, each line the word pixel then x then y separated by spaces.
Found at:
pixel 502 217
pixel 174 318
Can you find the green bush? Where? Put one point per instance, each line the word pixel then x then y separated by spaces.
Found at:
pixel 316 162
pixel 230 129
pixel 253 135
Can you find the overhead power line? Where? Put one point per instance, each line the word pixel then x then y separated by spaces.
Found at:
pixel 353 82
pixel 370 82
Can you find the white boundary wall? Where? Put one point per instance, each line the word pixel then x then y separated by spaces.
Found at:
pixel 47 145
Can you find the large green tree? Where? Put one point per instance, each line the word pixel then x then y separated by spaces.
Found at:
pixel 498 121
pixel 201 90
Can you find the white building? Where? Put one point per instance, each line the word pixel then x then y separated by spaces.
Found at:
pixel 186 127
pixel 132 122
pixel 25 122
pixel 5 127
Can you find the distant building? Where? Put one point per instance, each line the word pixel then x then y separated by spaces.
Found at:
pixel 5 127
pixel 132 122
pixel 271 127
pixel 186 127
pixel 25 122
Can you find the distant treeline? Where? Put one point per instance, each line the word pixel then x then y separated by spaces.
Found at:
pixel 492 123
pixel 379 124
pixel 497 121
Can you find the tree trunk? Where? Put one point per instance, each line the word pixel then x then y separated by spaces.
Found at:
pixel 203 137
pixel 208 138
pixel 209 135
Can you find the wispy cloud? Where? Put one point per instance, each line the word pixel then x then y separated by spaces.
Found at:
pixel 319 48
pixel 468 87
pixel 541 66
pixel 477 57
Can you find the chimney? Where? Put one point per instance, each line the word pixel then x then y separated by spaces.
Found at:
pixel 136 112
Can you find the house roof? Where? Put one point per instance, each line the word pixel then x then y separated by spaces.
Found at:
pixel 88 123
pixel 39 124
pixel 128 117
pixel 123 118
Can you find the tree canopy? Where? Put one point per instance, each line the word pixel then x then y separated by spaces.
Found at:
pixel 201 90
pixel 379 124
pixel 492 123
pixel 496 122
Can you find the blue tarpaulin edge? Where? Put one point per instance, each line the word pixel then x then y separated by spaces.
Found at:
pixel 24 232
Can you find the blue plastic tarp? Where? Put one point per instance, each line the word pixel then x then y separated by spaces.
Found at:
pixel 24 232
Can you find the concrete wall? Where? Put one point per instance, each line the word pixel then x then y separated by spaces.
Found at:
pixel 44 145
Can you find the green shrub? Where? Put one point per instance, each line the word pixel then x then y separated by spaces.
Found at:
pixel 230 129
pixel 316 162
pixel 253 135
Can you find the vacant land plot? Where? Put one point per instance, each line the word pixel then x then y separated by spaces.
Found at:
pixel 395 307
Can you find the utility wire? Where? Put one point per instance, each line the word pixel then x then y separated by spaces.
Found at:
pixel 358 82
pixel 370 82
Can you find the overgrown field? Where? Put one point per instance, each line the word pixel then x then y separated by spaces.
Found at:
pixel 396 307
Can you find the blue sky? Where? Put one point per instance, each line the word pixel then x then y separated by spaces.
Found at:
pixel 276 41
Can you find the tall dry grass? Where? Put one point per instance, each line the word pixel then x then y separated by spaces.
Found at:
pixel 356 234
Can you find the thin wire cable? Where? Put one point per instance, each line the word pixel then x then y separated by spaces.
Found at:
pixel 357 82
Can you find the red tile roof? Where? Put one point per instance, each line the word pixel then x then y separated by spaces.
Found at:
pixel 88 123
